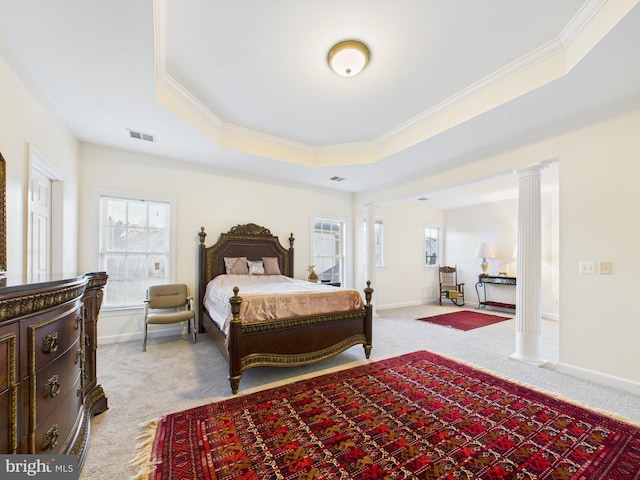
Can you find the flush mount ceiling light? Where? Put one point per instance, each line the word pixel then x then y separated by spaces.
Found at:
pixel 348 58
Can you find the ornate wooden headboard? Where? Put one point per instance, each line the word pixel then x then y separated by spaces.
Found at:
pixel 249 240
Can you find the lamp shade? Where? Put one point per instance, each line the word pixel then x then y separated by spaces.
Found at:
pixel 485 250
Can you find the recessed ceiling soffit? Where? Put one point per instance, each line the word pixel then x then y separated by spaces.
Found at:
pixel 539 67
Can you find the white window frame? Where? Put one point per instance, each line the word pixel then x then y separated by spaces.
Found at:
pixel 340 256
pixel 428 230
pixel 169 277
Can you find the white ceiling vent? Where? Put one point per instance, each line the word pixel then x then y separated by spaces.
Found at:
pixel 141 136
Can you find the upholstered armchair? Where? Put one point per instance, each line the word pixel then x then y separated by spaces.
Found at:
pixel 166 304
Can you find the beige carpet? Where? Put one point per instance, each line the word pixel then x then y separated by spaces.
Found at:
pixel 175 374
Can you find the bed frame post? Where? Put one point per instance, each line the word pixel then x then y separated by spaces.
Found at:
pixel 235 342
pixel 368 321
pixel 202 280
pixel 290 272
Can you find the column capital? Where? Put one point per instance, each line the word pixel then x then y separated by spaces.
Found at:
pixel 532 171
pixel 370 207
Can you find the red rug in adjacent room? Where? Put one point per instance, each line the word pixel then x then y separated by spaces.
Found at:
pixel 417 416
pixel 465 319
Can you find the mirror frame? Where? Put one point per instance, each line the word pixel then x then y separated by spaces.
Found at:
pixel 3 217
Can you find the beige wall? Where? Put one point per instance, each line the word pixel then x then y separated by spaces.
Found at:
pixel 204 198
pixel 599 204
pixel 403 280
pixel 598 201
pixel 26 121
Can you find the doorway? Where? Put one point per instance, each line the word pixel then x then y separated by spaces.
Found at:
pixel 44 238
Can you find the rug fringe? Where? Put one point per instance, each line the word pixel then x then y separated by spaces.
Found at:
pixel 142 463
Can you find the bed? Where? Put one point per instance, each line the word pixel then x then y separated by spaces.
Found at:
pixel 283 341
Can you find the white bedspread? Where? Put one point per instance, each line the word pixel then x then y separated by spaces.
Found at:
pixel 267 297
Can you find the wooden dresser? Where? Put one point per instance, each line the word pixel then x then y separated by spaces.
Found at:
pixel 48 385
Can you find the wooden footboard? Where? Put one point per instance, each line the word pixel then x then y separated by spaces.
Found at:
pixel 295 341
pixel 284 342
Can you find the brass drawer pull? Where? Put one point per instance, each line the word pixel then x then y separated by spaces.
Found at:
pixel 50 342
pixel 50 439
pixel 53 386
pixel 78 321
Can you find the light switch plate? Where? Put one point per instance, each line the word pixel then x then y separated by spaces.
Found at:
pixel 587 268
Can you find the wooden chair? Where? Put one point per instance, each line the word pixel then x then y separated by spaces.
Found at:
pixel 167 304
pixel 449 286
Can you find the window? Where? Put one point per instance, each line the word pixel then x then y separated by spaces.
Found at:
pixel 328 249
pixel 431 246
pixel 379 242
pixel 134 248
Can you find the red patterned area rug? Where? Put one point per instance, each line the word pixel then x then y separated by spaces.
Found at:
pixel 417 416
pixel 464 319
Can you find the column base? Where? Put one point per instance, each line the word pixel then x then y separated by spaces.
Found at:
pixel 538 362
pixel 528 349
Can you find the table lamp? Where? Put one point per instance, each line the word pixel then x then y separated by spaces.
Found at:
pixel 484 251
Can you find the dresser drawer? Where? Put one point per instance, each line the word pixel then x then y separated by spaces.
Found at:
pixel 8 421
pixel 9 388
pixel 52 432
pixel 54 381
pixel 47 392
pixel 8 356
pixel 50 338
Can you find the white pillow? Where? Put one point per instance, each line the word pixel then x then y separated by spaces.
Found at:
pixel 256 268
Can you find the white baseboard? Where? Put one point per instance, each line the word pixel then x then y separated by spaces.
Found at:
pixel 137 336
pixel 404 304
pixel 600 378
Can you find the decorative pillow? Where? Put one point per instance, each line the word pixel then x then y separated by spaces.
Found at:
pixel 271 266
pixel 236 265
pixel 255 268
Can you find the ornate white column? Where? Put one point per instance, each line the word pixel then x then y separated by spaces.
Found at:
pixel 529 270
pixel 370 248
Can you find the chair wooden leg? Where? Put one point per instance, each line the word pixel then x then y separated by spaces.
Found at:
pixel 144 339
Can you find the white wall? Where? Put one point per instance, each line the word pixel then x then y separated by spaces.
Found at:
pixel 203 198
pixel 465 228
pixel 497 223
pixel 27 121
